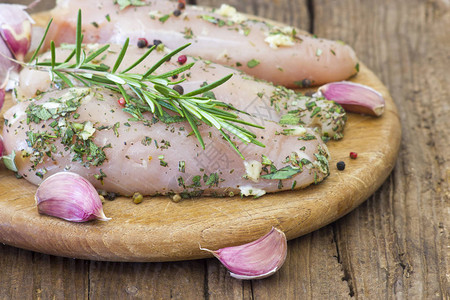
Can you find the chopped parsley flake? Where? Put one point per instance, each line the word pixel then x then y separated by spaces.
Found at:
pixel 253 63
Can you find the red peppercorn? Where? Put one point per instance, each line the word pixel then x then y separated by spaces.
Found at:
pixel 353 155
pixel 142 42
pixel 121 102
pixel 182 59
pixel 181 4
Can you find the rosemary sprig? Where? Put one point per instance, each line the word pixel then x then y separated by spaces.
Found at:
pixel 149 92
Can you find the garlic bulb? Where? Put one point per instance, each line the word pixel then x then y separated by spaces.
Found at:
pixel 69 196
pixel 354 97
pixel 255 260
pixel 15 29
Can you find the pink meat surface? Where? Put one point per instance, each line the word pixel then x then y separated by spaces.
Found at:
pixel 277 54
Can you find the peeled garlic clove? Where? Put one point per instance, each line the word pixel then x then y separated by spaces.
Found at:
pixel 255 260
pixel 69 196
pixel 354 97
pixel 15 29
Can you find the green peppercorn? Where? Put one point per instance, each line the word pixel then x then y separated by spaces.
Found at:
pixel 137 198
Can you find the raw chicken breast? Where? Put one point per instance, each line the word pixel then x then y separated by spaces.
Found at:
pixel 261 99
pixel 277 54
pixel 84 130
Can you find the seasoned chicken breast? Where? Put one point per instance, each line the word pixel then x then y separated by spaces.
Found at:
pixel 277 54
pixel 261 99
pixel 85 130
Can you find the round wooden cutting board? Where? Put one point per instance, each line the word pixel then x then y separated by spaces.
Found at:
pixel 161 230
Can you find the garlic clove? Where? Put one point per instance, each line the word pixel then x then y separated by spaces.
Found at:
pixel 2 99
pixel 69 196
pixel 15 29
pixel 2 147
pixel 255 260
pixel 354 97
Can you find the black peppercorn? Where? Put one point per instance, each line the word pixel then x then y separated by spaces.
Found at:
pixel 181 5
pixel 340 165
pixel 176 12
pixel 110 196
pixel 179 89
pixel 157 42
pixel 306 83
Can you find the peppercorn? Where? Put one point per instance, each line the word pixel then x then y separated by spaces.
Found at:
pixel 176 198
pixel 353 155
pixel 340 165
pixel 182 59
pixel 137 198
pixel 121 102
pixel 179 89
pixel 142 43
pixel 110 196
pixel 181 4
pixel 306 83
pixel 176 12
pixel 157 42
pixel 175 76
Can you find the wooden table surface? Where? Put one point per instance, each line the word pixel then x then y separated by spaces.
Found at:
pixel 395 245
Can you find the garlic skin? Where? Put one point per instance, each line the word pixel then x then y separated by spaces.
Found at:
pixel 354 97
pixel 69 196
pixel 2 147
pixel 2 99
pixel 15 29
pixel 255 260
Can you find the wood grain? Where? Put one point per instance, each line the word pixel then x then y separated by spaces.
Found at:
pixel 393 246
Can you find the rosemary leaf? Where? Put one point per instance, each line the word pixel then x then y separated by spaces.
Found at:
pixel 121 55
pixel 96 53
pixel 64 78
pixel 52 50
pixel 79 39
pixel 194 128
pixel 209 86
pixel 36 52
pixel 137 62
pixel 164 59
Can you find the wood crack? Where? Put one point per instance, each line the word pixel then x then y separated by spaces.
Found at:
pixel 346 272
pixel 205 281
pixel 251 289
pixel 310 5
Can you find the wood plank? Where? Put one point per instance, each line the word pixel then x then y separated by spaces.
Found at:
pixel 30 275
pixel 402 229
pixel 394 245
pixel 181 280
